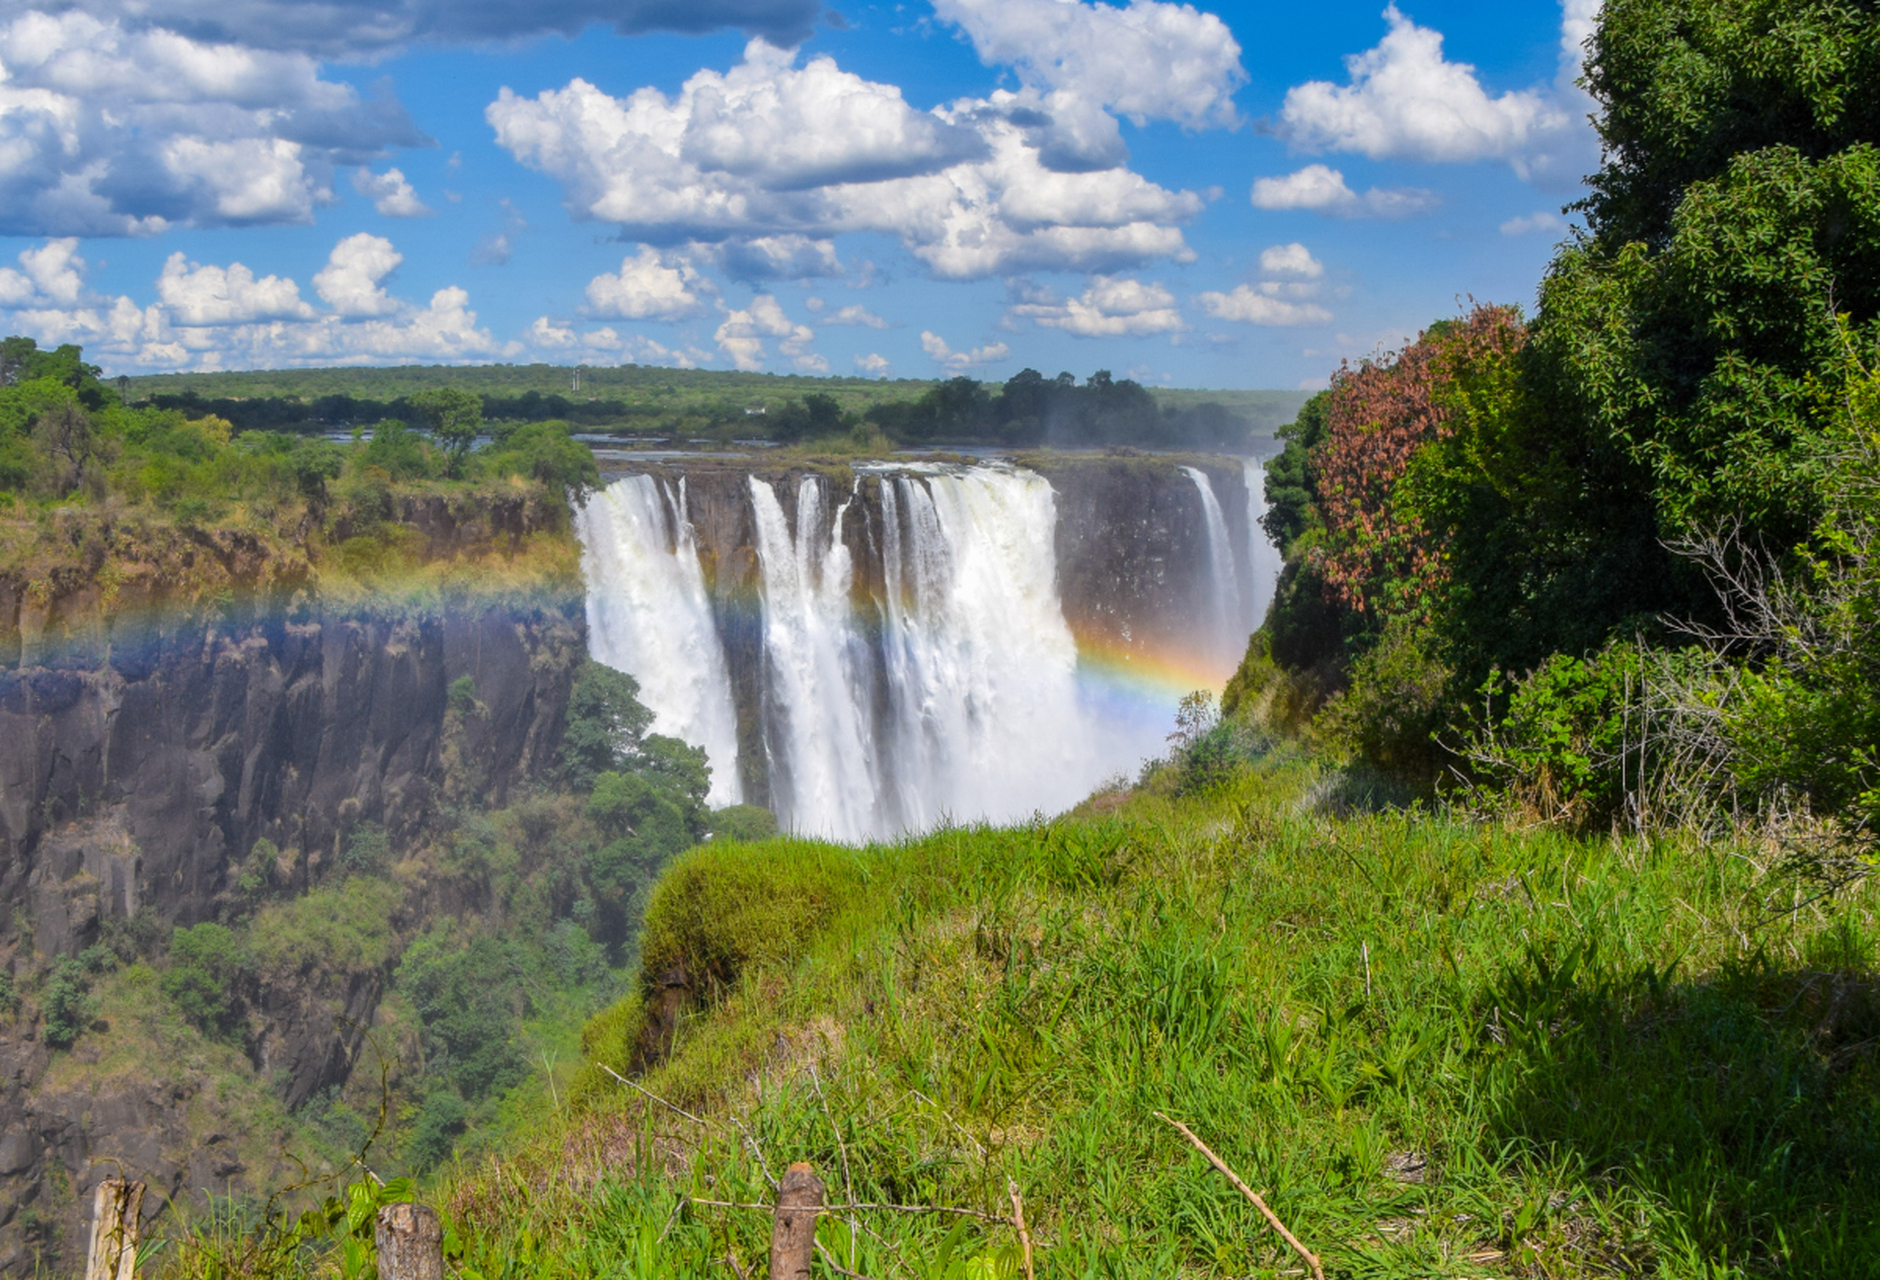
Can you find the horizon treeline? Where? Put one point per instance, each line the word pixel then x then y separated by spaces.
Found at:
pixel 1027 409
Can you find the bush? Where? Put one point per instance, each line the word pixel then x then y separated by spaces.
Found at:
pixel 722 907
pixel 65 1004
pixel 9 996
pixel 207 965
pixel 1389 714
pixel 1558 745
pixel 466 995
pixel 743 822
pixel 440 1119
pixel 368 849
pixel 606 721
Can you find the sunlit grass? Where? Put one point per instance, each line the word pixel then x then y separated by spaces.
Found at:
pixel 1440 1048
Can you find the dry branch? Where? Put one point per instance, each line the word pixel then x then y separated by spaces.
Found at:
pixel 1311 1259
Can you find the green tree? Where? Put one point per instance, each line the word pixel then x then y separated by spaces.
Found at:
pixel 605 723
pixel 454 418
pixel 65 1004
pixel 207 967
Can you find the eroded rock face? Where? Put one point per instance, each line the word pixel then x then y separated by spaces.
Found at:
pixel 142 782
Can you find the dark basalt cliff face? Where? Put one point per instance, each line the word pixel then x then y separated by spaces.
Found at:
pixel 168 700
pixel 140 784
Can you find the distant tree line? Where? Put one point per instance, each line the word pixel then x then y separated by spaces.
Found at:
pixel 1029 409
pixel 1033 409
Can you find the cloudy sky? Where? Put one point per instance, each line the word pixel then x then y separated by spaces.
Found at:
pixel 1227 195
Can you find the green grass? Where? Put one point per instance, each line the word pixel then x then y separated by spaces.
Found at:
pixel 1441 1048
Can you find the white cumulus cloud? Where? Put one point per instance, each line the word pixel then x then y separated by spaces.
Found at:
pixel 110 128
pixel 1112 307
pixel 872 364
pixel 1543 221
pixel 391 194
pixel 855 313
pixel 1322 189
pixel 1405 100
pixel 212 316
pixel 648 286
pixel 1148 60
pixel 1291 260
pixel 770 161
pixel 350 281
pixel 960 361
pixel 741 336
pixel 1262 304
pixel 195 294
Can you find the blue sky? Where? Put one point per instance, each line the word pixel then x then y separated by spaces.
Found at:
pixel 1231 195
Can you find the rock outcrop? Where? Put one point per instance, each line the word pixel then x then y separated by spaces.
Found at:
pixel 140 785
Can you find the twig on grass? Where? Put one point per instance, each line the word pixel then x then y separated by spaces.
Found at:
pixel 837 1267
pixel 1311 1259
pixel 1018 1220
pixel 699 1120
pixel 843 1208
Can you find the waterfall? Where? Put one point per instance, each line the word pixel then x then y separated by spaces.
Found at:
pixel 895 651
pixel 980 666
pixel 649 615
pixel 822 758
pixel 1263 558
pixel 1228 633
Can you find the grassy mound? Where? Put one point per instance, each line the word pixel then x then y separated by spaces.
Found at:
pixel 1440 1047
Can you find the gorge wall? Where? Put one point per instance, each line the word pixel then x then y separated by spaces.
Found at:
pixel 148 756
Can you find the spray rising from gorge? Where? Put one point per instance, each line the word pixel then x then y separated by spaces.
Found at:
pixel 883 650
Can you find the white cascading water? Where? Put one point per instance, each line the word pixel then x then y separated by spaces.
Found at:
pixel 1227 631
pixel 980 667
pixel 649 615
pixel 824 781
pixel 958 695
pixel 1263 558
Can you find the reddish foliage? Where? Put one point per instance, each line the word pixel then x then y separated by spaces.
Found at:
pixel 1379 557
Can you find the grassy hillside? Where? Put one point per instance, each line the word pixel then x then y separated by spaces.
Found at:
pixel 1441 1045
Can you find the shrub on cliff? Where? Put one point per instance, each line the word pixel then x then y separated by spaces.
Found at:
pixel 208 964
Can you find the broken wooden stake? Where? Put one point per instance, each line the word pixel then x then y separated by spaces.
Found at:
pixel 1310 1258
pixel 793 1229
pixel 411 1243
pixel 114 1223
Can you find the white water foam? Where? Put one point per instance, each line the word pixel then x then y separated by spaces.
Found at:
pixel 1263 558
pixel 1227 630
pixel 649 615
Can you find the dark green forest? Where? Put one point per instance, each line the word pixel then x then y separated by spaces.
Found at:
pixel 1617 555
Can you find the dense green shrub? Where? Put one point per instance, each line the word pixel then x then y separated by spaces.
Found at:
pixel 442 1117
pixel 743 822
pixel 65 1004
pixel 207 966
pixel 605 723
pixel 721 907
pixel 469 1001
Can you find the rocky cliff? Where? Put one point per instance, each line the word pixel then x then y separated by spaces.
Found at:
pixel 147 758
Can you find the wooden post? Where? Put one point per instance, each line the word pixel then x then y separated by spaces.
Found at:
pixel 411 1243
pixel 793 1229
pixel 114 1223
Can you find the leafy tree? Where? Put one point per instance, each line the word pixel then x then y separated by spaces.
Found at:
pixel 743 822
pixel 65 1004
pixel 207 966
pixel 442 1117
pixel 544 451
pixel 454 418
pixel 605 724
pixel 469 1002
